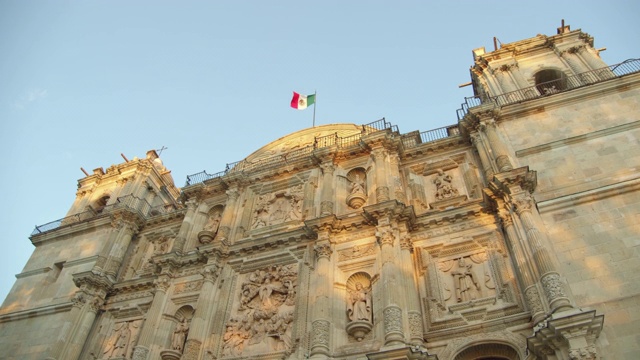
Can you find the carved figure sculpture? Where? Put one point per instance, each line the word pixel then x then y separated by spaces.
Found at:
pixel 357 185
pixel 234 339
pixel 464 281
pixel 180 335
pixel 444 189
pixel 119 346
pixel 213 222
pixel 357 188
pixel 359 306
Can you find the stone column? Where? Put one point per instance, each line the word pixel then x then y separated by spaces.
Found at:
pixel 487 167
pixel 502 75
pixel 152 318
pixel 382 187
pixel 531 294
pixel 187 223
pixel 520 81
pixel 549 277
pixel 592 60
pixel 126 226
pixel 321 325
pixel 83 328
pixel 224 230
pixel 74 332
pixel 414 314
pixel 573 61
pixel 86 304
pixel 326 205
pixel 499 150
pixel 203 314
pixel 390 277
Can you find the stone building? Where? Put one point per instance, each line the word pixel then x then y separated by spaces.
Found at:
pixel 512 234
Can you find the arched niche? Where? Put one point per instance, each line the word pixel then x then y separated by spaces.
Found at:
pixel 488 351
pixel 550 81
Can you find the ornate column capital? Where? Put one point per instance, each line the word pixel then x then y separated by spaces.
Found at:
pixel 523 203
pixel 210 273
pixel 233 194
pixel 406 243
pixel 323 251
pixel 385 237
pixel 327 167
pixel 162 283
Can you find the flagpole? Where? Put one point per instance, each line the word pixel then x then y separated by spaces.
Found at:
pixel 315 100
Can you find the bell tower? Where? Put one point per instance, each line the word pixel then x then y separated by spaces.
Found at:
pixel 538 66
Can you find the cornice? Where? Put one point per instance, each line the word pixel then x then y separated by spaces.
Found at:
pixel 388 211
pixel 514 180
pixel 35 312
pixel 436 218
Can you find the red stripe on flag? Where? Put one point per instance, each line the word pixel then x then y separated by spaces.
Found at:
pixel 294 101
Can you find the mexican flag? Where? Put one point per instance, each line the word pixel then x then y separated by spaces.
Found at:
pixel 301 102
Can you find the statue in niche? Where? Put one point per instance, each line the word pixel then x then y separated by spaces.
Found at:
pixel 464 281
pixel 180 335
pixel 119 344
pixel 213 222
pixel 359 306
pixel 357 188
pixel 357 185
pixel 444 188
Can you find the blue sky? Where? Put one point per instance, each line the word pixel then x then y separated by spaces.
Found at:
pixel 83 81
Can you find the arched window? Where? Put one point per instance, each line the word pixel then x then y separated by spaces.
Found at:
pixel 101 203
pixel 550 81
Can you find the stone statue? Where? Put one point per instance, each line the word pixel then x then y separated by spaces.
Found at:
pixel 119 346
pixel 357 185
pixel 359 306
pixel 213 222
pixel 444 189
pixel 464 281
pixel 180 335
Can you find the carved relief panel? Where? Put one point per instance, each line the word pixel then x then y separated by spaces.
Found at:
pixel 262 312
pixel 443 183
pixel 278 207
pixel 121 340
pixel 467 281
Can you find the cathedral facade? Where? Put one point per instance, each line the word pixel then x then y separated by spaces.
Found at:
pixel 512 234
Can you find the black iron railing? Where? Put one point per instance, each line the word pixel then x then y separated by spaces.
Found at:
pixel 73 219
pixel 319 143
pixel 128 202
pixel 548 88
